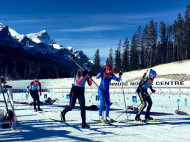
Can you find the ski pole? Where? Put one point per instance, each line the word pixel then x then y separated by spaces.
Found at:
pixel 83 70
pixel 131 113
pixel 127 109
pixel 19 103
pixel 124 96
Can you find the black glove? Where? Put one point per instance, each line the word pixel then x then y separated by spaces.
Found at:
pixel 90 74
pixel 153 91
pixel 84 73
pixel 103 70
pixel 120 73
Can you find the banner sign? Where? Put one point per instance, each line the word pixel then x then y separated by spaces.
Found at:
pixel 155 84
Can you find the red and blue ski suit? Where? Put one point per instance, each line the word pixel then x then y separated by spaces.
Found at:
pixel 77 92
pixel 34 92
pixel 103 91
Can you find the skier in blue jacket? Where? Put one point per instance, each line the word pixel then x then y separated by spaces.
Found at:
pixel 144 84
pixel 106 76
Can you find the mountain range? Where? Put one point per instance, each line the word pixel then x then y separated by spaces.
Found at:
pixel 40 44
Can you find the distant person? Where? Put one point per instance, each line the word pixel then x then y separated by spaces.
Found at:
pixel 144 96
pixel 33 86
pixel 97 98
pixel 49 101
pixel 27 95
pixel 106 76
pixel 45 96
pixel 77 92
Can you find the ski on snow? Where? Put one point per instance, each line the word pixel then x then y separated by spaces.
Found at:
pixel 78 127
pixel 130 121
pixel 143 121
pixel 73 126
pixel 108 122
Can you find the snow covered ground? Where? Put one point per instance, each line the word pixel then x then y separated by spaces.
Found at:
pixel 172 128
pixel 41 127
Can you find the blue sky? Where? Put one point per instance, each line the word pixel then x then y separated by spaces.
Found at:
pixel 88 24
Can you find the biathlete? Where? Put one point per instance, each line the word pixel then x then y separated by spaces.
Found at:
pixel 144 84
pixel 33 86
pixel 106 76
pixel 77 92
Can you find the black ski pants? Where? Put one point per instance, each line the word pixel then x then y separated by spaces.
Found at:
pixel 35 97
pixel 144 97
pixel 77 93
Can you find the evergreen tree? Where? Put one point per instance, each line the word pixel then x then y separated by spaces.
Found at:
pixel 169 44
pixel 15 73
pixel 179 36
pixel 162 50
pixel 96 67
pixel 138 44
pixel 153 41
pixel 117 66
pixel 134 53
pixel 175 44
pixel 125 56
pixel 110 58
pixel 24 65
pixel 187 33
pixel 144 47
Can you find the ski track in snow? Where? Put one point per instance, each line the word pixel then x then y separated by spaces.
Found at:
pixel 41 127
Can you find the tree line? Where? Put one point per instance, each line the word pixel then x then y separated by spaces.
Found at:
pixel 156 43
pixel 20 64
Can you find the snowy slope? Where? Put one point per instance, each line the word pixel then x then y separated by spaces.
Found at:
pixel 167 72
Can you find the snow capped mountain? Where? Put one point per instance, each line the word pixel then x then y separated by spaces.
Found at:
pixel 70 48
pixel 1 26
pixel 6 38
pixel 41 36
pixel 15 35
pixel 39 43
pixel 57 46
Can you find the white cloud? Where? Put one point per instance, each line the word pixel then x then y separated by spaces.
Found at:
pixel 91 29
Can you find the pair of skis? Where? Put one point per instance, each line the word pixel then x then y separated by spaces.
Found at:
pixel 73 126
pixel 130 121
pixel 79 128
pixel 110 123
pixel 143 121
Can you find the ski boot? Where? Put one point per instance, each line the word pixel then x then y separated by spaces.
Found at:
pixel 108 119
pixel 101 119
pixel 137 118
pixel 147 117
pixel 35 110
pixel 40 109
pixel 86 126
pixel 62 116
